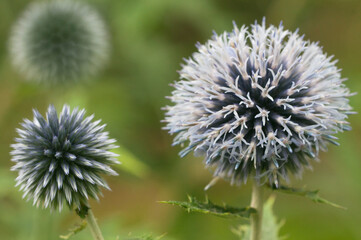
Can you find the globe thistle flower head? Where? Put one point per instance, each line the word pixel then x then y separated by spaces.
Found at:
pixel 259 101
pixel 61 158
pixel 58 41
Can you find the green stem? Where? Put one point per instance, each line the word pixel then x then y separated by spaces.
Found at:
pixel 94 228
pixel 256 218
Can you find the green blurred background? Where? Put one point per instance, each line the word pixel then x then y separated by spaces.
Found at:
pixel 149 40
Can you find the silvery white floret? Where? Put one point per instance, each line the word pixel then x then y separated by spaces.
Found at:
pixel 60 159
pixel 59 40
pixel 261 101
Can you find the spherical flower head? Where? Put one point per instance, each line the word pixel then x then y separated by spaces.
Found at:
pixel 58 41
pixel 259 101
pixel 60 159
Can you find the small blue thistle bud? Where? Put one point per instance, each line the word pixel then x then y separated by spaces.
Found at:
pixel 58 41
pixel 260 101
pixel 60 159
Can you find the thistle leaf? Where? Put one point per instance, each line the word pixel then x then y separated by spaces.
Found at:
pixel 146 237
pixel 310 194
pixel 207 207
pixel 270 225
pixel 77 228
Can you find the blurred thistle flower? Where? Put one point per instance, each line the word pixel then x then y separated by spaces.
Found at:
pixel 258 102
pixel 58 41
pixel 61 158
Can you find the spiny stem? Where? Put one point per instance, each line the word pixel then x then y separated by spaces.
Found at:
pixel 94 228
pixel 256 218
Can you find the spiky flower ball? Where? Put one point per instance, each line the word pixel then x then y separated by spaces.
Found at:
pixel 59 40
pixel 60 159
pixel 261 101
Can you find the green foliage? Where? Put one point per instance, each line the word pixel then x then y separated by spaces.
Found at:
pixel 270 225
pixel 207 207
pixel 310 194
pixel 77 228
pixel 146 237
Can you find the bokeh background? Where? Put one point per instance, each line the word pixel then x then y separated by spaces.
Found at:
pixel 149 38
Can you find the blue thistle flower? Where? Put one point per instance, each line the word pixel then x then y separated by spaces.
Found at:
pixel 260 102
pixel 58 41
pixel 60 159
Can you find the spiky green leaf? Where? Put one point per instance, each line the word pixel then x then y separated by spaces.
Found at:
pixel 77 228
pixel 146 237
pixel 310 194
pixel 207 207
